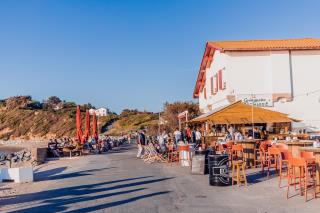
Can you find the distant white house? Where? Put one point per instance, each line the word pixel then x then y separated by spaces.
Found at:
pixel 99 112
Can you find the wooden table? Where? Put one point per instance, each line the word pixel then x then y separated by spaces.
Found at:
pixel 316 152
pixel 294 146
pixel 248 148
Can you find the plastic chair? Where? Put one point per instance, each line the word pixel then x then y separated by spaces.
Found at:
pixel 284 164
pixel 263 150
pixel 229 146
pixel 281 146
pixel 273 157
pixel 256 153
pixel 305 180
pixel 236 153
pixel 172 154
pixel 308 156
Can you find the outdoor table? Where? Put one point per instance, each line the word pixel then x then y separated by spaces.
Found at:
pixel 316 152
pixel 248 148
pixel 294 146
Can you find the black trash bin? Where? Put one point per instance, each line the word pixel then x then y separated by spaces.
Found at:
pixel 218 170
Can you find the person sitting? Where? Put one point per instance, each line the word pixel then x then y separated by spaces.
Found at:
pixel 53 148
pixel 238 136
pixel 316 144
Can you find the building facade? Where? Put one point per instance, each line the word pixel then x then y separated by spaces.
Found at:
pixel 99 112
pixel 281 75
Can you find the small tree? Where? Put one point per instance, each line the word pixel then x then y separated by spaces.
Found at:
pixel 172 110
pixel 53 100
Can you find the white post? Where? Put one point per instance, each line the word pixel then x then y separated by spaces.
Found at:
pixel 252 116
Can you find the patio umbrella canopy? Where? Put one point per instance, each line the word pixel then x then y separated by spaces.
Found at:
pixel 95 126
pixel 78 124
pixel 87 129
pixel 240 113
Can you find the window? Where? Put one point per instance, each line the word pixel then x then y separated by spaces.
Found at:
pixel 212 86
pixel 220 80
pixel 217 83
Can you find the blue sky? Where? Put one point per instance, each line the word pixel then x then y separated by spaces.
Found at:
pixel 130 53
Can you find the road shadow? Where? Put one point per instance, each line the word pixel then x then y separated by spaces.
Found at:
pixel 53 174
pixel 55 199
pixel 122 148
pixel 56 206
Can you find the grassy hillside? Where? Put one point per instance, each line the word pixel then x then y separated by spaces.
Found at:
pixel 23 118
pixel 132 120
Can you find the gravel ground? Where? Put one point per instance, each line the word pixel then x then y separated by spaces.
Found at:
pixel 118 182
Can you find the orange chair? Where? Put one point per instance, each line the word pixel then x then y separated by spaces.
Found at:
pixel 305 180
pixel 238 162
pixel 236 153
pixel 273 158
pixel 173 155
pixel 284 164
pixel 256 153
pixel 281 146
pixel 263 151
pixel 308 156
pixel 229 146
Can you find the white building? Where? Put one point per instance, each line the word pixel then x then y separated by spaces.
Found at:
pixel 283 75
pixel 99 112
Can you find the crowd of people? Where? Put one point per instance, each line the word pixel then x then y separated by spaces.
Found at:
pixel 239 133
pixel 168 139
pixel 103 144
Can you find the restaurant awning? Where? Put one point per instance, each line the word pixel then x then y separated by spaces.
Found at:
pixel 240 113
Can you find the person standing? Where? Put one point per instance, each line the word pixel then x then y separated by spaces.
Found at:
pixel 231 132
pixel 163 138
pixel 177 136
pixel 193 138
pixel 188 134
pixel 198 137
pixel 139 146
pixel 141 143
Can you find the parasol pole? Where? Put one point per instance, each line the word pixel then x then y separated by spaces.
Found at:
pixel 252 116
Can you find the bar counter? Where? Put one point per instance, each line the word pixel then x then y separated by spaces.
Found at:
pixel 294 146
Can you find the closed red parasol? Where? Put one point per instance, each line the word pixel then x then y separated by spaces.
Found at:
pixel 95 127
pixel 87 129
pixel 78 124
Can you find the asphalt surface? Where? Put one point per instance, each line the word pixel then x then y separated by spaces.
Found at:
pixel 118 182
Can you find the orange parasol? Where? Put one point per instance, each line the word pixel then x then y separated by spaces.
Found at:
pixel 95 127
pixel 87 129
pixel 78 124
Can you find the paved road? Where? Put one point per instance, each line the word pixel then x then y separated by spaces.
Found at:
pixel 118 182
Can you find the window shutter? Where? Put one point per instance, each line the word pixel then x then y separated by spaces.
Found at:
pixel 220 80
pixel 205 93
pixel 217 83
pixel 212 87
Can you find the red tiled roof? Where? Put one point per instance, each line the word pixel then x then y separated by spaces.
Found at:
pixel 249 45
pixel 287 44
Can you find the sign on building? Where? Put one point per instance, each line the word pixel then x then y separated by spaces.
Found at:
pixel 259 100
